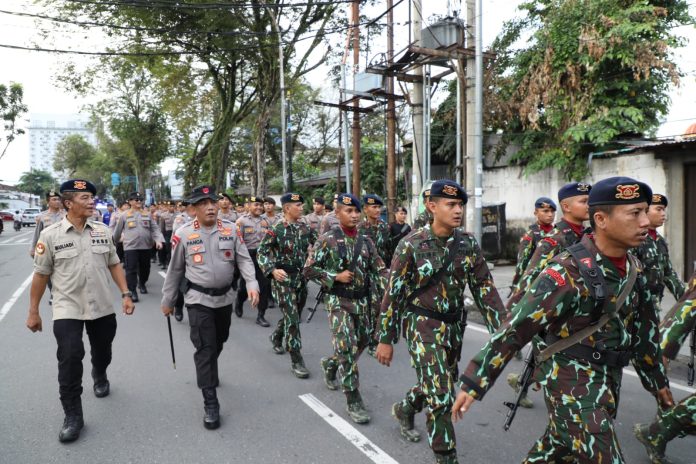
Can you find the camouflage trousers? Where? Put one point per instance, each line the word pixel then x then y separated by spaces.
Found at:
pixel 375 303
pixel 677 421
pixel 291 297
pixel 584 438
pixel 350 335
pixel 436 369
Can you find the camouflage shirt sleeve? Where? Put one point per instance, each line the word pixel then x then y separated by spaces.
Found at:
pixel 267 252
pixel 524 254
pixel 679 322
pixel 545 251
pixel 378 270
pixel 484 292
pixel 315 267
pixel 397 290
pixel 671 279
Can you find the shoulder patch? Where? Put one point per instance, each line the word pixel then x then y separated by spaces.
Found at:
pixel 555 275
pixel 40 248
pixel 175 240
pixel 550 241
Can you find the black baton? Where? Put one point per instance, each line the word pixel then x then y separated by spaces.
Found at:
pixel 171 340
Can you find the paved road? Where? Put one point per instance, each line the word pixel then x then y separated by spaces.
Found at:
pixel 154 412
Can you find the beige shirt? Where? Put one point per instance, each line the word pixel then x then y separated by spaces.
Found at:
pixel 78 263
pixel 138 230
pixel 45 219
pixel 313 220
pixel 330 221
pixel 231 215
pixel 207 258
pixel 252 230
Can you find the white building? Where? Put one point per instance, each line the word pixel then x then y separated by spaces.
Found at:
pixel 46 130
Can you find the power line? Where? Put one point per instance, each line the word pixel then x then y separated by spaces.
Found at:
pixel 177 5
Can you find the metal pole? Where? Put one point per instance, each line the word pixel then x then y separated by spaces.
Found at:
pixel 426 122
pixel 391 119
pixel 478 131
pixel 356 102
pixel 283 121
pixel 345 130
pixel 458 158
pixel 469 160
pixel 417 114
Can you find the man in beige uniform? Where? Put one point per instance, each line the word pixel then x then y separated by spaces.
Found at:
pixel 139 231
pixel 166 224
pixel 204 252
pixel 330 221
pixel 252 229
pixel 55 213
pixel 79 256
pixel 226 212
pixel 313 219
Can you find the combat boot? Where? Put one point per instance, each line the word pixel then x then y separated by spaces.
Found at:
pixel 514 381
pixel 448 458
pixel 142 288
pixel 211 406
pixel 238 309
pixel 73 422
pixel 404 414
pixel 356 408
pixel 261 320
pixel 101 384
pixel 178 313
pixel 298 367
pixel 134 296
pixel 655 445
pixel 329 368
pixel 276 339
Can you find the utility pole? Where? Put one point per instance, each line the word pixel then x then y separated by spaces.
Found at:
pixel 470 161
pixel 417 111
pixel 356 115
pixel 283 121
pixel 478 131
pixel 391 119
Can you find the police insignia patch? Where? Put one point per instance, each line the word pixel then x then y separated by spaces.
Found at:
pixel 40 248
pixel 192 236
pixel 627 192
pixel 587 262
pixel 555 275
pixel 582 187
pixel 198 259
pixel 295 197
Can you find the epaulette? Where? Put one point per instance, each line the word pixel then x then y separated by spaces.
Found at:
pixel 550 241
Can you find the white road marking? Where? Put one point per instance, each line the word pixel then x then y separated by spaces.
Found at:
pixel 8 305
pixel 24 240
pixel 628 371
pixel 13 239
pixel 12 244
pixel 359 440
pixel 163 274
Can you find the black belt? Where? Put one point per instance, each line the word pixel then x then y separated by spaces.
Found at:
pixel 209 291
pixel 611 358
pixel 448 318
pixel 656 289
pixel 349 294
pixel 288 268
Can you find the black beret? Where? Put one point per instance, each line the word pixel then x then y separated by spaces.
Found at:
pixel 52 193
pixel 545 202
pixel 202 192
pixel 448 189
pixel 620 191
pixel 319 200
pixel 372 199
pixel 659 199
pixel 269 200
pixel 348 199
pixel 225 195
pixel 78 185
pixel 254 200
pixel 135 196
pixel 290 198
pixel 574 189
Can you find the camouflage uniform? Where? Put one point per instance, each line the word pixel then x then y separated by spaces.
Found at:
pixel 526 248
pixel 654 255
pixel 434 345
pixel 349 317
pixel 581 397
pixel 285 247
pixel 380 236
pixel 423 219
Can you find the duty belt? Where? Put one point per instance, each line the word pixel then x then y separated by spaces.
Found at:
pixel 349 294
pixel 611 358
pixel 448 318
pixel 209 291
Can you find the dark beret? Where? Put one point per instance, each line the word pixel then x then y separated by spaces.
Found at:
pixel 254 200
pixel 52 193
pixel 448 189
pixel 574 189
pixel 545 202
pixel 659 199
pixel 372 199
pixel 135 196
pixel 225 195
pixel 78 185
pixel 620 191
pixel 348 199
pixel 290 197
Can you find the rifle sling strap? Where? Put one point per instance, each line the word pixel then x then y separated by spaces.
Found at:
pixel 585 332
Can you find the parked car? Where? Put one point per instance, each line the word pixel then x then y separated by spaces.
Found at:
pixel 6 215
pixel 29 216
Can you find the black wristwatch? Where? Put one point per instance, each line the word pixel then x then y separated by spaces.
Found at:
pixel 128 294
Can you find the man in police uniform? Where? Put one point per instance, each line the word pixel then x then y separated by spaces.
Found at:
pixel 330 221
pixel 166 225
pixel 226 212
pixel 54 214
pixel 269 214
pixel 79 256
pixel 139 231
pixel 313 219
pixel 204 252
pixel 594 297
pixel 252 229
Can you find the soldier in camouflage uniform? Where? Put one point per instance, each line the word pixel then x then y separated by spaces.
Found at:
pixel 425 218
pixel 374 227
pixel 680 420
pixel 281 257
pixel 344 262
pixel 544 212
pixel 581 382
pixel 428 278
pixel 330 221
pixel 654 255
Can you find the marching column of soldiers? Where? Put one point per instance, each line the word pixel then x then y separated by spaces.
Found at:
pixel 586 298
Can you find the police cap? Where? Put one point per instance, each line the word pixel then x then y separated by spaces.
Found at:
pixel 202 192
pixel 78 185
pixel 659 199
pixel 291 197
pixel 225 195
pixel 135 196
pixel 52 193
pixel 620 191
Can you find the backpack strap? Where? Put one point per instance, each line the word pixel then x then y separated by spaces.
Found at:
pixel 356 252
pixel 437 277
pixel 592 275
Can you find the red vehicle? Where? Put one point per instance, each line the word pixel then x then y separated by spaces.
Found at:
pixel 6 215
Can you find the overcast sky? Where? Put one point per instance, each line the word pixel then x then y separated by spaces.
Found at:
pixel 36 70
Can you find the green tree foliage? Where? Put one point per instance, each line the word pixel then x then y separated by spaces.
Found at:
pixel 36 182
pixel 587 72
pixel 72 153
pixel 11 108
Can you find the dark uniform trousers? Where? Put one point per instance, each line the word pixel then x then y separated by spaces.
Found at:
pixel 264 287
pixel 71 351
pixel 210 328
pixel 165 254
pixel 137 266
pixel 120 252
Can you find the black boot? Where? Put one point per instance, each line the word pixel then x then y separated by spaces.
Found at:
pixel 211 420
pixel 178 313
pixel 356 408
pixel 135 296
pixel 142 288
pixel 73 422
pixel 238 309
pixel 260 320
pixel 276 339
pixel 101 384
pixel 298 366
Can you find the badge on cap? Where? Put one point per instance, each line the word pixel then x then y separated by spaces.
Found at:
pixel 450 190
pixel 205 190
pixel 80 185
pixel 657 198
pixel 583 187
pixel 370 201
pixel 627 192
pixel 347 200
pixel 295 197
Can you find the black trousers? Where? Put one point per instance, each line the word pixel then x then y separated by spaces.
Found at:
pixel 210 329
pixel 164 254
pixel 71 351
pixel 137 268
pixel 264 287
pixel 120 252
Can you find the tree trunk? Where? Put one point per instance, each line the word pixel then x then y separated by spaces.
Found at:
pixel 258 165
